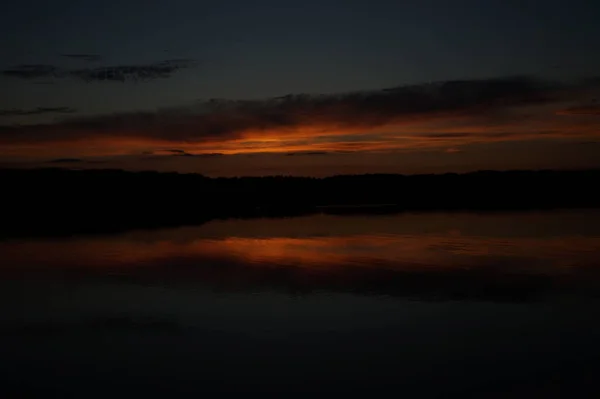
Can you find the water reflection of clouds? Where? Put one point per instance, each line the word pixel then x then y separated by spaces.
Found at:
pixel 307 254
pixel 406 251
pixel 398 251
pixel 220 301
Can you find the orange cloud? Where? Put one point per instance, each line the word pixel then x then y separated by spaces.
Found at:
pixel 440 115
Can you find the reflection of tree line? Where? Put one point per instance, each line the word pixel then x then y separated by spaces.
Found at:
pixel 227 273
pixel 96 200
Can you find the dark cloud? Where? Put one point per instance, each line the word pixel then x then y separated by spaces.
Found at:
pixel 217 120
pixel 83 57
pixel 447 135
pixel 66 160
pixel 75 161
pixel 122 73
pixel 209 155
pixel 37 111
pixel 583 110
pixel 33 71
pixel 164 153
pixel 307 153
pixel 183 154
pixel 484 134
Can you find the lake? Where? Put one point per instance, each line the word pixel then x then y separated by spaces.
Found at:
pixel 415 304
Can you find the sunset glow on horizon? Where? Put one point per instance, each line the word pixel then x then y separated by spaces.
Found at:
pixel 456 101
pixel 452 133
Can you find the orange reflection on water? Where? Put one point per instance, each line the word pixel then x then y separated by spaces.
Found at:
pixel 407 252
pixel 402 252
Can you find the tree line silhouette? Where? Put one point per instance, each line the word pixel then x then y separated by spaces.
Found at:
pixel 55 200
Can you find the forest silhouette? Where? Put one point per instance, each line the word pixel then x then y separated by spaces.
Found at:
pixel 57 201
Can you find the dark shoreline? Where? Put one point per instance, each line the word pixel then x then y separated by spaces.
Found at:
pixel 62 202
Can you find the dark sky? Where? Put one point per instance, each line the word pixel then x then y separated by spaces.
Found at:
pixel 125 82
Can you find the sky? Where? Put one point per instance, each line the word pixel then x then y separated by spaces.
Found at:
pixel 300 87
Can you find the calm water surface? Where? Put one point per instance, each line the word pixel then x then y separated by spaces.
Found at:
pixel 424 305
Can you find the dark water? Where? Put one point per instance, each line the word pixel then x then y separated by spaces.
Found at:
pixel 416 305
